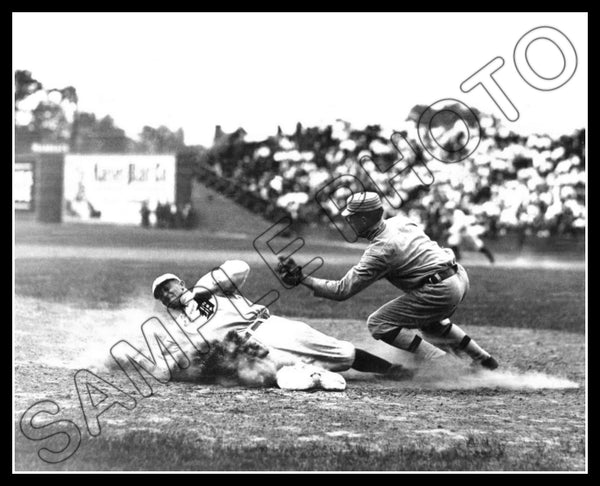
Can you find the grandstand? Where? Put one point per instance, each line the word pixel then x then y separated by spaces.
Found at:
pixel 513 184
pixel 516 187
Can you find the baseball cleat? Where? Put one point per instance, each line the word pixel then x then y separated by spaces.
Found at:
pixel 306 377
pixel 490 363
pixel 328 380
pixel 296 378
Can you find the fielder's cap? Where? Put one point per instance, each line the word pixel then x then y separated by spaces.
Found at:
pixel 158 281
pixel 361 202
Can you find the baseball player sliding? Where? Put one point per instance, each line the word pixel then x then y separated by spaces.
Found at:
pixel 432 282
pixel 275 350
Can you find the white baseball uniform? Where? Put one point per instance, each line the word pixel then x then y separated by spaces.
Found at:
pixel 289 341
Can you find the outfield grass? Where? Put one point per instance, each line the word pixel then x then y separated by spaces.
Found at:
pixel 508 297
pixel 28 231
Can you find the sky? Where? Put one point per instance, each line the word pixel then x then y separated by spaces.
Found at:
pixel 261 70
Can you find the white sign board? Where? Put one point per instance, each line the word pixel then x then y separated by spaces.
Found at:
pixel 23 185
pixel 113 188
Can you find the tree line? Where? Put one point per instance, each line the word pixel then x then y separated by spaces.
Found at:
pixel 50 115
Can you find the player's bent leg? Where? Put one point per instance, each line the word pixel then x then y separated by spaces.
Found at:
pixel 298 339
pixel 448 333
pixel 369 363
pixel 409 340
pixel 392 323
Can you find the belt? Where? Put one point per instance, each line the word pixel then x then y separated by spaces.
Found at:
pixel 258 320
pixel 441 275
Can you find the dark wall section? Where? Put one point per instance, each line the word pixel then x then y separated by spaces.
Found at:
pixel 184 173
pixel 49 187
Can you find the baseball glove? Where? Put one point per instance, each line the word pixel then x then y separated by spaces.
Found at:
pixel 289 271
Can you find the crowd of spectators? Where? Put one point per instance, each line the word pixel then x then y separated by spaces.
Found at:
pixel 167 215
pixel 533 184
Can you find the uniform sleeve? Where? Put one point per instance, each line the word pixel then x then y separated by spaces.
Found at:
pixel 372 266
pixel 230 275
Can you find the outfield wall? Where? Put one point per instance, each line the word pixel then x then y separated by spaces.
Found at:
pixel 106 188
pixel 112 188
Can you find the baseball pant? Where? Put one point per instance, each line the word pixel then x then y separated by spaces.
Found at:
pixel 292 341
pixel 428 304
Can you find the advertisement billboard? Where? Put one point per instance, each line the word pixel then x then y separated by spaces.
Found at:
pixel 114 188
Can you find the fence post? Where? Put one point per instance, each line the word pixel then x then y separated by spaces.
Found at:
pixel 49 187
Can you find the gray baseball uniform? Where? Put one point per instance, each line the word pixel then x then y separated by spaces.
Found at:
pixel 402 253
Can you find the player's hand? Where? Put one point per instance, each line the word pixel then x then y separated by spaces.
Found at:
pixel 186 298
pixel 253 347
pixel 289 271
pixel 236 343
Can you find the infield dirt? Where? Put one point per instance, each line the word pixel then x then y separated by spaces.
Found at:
pixel 528 415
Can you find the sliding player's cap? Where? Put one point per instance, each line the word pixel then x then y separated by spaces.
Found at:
pixel 158 281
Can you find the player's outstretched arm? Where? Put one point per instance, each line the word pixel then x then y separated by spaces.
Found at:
pixel 372 266
pixel 336 289
pixel 226 278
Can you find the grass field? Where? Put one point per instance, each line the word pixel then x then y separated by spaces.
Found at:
pixel 80 290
